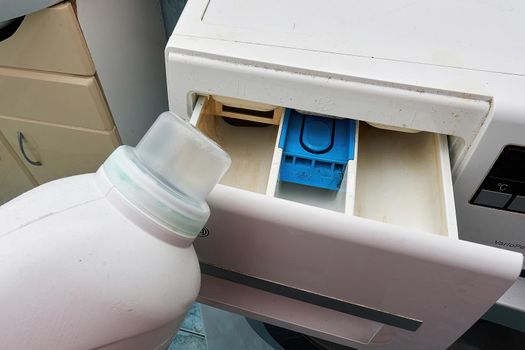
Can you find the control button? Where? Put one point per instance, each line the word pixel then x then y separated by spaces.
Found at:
pixel 510 164
pixel 492 198
pixel 518 204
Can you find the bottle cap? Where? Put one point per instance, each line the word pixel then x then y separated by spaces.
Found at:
pixel 182 156
pixel 170 173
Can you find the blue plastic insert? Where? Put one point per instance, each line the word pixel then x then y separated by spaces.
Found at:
pixel 315 149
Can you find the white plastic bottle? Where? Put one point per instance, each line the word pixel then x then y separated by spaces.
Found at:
pixel 105 260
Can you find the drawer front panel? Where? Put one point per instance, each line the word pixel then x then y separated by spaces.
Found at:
pixel 53 98
pixel 443 283
pixel 14 179
pixel 48 40
pixel 62 151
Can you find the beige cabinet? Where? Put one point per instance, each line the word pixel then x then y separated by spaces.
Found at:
pixel 60 150
pixel 54 119
pixel 14 179
pixel 74 77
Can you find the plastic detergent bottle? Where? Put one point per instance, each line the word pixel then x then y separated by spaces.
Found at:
pixel 105 260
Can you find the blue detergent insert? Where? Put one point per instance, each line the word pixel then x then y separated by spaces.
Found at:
pixel 316 149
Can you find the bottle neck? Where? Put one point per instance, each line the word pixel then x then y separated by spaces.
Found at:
pixel 167 207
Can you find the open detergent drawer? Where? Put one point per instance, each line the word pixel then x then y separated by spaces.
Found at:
pixel 377 263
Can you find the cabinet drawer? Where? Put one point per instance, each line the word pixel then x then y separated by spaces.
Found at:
pixel 53 98
pixel 62 151
pixel 14 179
pixel 48 40
pixel 377 262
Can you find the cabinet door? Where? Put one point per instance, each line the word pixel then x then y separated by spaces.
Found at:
pixel 62 151
pixel 48 40
pixel 13 177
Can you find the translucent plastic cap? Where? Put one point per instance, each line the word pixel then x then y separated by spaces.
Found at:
pixel 182 156
pixel 169 174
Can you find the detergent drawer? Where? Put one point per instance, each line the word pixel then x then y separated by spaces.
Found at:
pixel 376 263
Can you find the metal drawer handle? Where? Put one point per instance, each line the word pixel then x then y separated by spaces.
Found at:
pixel 21 139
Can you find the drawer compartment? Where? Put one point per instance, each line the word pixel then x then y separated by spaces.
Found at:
pixel 48 40
pixel 249 144
pixel 62 151
pixel 404 179
pixel 394 177
pixel 53 98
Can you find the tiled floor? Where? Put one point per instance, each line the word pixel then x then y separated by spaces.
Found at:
pixel 191 335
